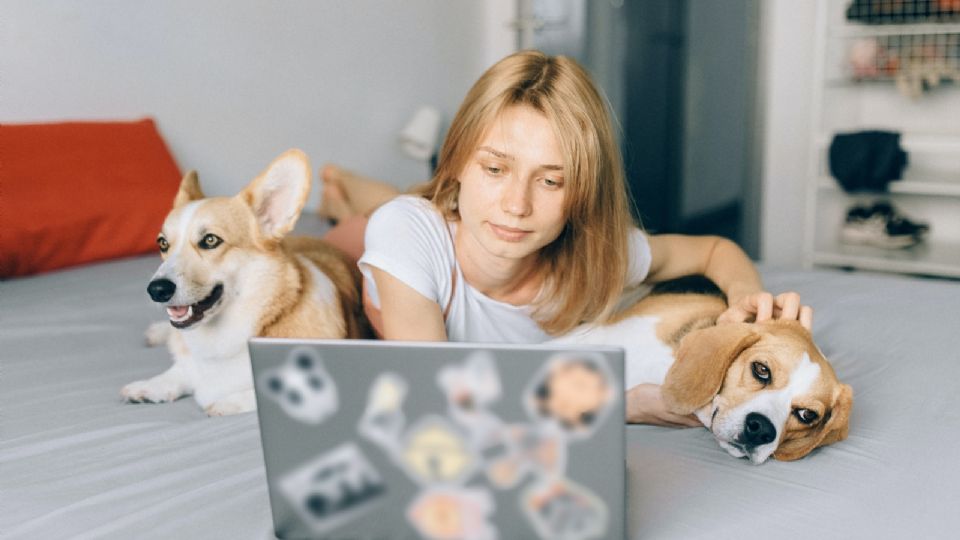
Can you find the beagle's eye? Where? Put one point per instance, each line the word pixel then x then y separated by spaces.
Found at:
pixel 163 244
pixel 210 241
pixel 761 372
pixel 806 416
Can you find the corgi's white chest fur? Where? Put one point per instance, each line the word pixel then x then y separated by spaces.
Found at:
pixel 324 291
pixel 647 359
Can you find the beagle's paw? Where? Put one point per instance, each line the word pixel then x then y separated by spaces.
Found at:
pixel 236 403
pixel 151 391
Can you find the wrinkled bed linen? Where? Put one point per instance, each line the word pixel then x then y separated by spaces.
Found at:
pixel 77 462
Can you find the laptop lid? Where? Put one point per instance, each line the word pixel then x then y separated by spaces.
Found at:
pixel 386 439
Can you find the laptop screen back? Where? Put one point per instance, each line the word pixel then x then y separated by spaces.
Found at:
pixel 367 439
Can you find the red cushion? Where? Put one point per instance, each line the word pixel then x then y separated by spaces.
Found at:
pixel 77 192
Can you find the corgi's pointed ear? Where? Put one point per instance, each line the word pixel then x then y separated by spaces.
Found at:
pixel 702 361
pixel 189 190
pixel 277 196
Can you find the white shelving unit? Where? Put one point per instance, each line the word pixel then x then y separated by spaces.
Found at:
pixel 930 133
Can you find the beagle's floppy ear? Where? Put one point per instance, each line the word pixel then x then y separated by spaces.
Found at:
pixel 189 190
pixel 701 363
pixel 277 196
pixel 831 430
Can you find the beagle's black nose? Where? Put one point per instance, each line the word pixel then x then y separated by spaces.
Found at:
pixel 758 429
pixel 161 290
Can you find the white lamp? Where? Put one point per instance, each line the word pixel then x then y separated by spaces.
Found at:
pixel 419 137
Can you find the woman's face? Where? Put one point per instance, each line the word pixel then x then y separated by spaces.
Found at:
pixel 512 188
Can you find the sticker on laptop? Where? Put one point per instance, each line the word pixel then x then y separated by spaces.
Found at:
pixel 435 452
pixel 525 449
pixel 453 514
pixel 471 387
pixel 573 391
pixel 333 489
pixel 302 387
pixel 383 420
pixel 559 509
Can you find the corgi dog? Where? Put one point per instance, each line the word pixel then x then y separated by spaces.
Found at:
pixel 228 274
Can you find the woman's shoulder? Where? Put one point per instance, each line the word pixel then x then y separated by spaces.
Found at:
pixel 411 206
pixel 408 217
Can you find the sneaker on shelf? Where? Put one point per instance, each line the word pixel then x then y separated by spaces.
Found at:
pixel 881 226
pixel 886 209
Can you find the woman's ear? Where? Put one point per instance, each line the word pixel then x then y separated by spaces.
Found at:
pixel 701 364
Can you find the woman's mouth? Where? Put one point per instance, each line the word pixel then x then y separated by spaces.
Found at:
pixel 509 234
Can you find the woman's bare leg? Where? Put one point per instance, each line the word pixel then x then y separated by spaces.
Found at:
pixel 347 235
pixel 346 193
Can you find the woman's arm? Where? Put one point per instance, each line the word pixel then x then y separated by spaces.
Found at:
pixel 719 259
pixel 645 406
pixel 722 261
pixel 405 313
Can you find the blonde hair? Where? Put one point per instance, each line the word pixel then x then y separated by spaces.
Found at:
pixel 585 267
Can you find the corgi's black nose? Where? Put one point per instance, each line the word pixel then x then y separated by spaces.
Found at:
pixel 161 290
pixel 758 429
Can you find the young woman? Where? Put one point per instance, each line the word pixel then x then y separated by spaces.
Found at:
pixel 524 232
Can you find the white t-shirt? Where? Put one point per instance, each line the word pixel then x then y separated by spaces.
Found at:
pixel 409 239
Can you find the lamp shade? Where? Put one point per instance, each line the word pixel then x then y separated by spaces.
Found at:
pixel 419 137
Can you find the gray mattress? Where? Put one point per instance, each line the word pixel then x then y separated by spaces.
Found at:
pixel 76 462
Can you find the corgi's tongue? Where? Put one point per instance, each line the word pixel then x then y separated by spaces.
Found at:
pixel 179 313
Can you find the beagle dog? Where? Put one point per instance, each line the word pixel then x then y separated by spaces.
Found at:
pixel 762 389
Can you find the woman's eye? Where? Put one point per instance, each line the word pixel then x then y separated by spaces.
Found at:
pixel 210 241
pixel 761 372
pixel 806 416
pixel 163 244
pixel 550 182
pixel 495 171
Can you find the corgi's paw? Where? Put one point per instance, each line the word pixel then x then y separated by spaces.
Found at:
pixel 157 333
pixel 237 403
pixel 151 391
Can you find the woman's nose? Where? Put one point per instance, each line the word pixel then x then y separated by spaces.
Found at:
pixel 515 199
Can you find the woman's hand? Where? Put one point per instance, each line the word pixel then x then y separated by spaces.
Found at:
pixel 762 306
pixel 645 406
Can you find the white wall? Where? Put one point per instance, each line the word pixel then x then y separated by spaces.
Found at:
pixel 786 56
pixel 232 83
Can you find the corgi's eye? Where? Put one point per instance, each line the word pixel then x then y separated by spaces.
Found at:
pixel 806 416
pixel 761 372
pixel 210 241
pixel 163 244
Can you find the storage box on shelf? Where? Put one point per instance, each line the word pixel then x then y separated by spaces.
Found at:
pixel 848 98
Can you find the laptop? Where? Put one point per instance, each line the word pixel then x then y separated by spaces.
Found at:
pixel 384 440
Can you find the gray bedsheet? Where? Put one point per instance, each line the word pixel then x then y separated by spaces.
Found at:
pixel 76 462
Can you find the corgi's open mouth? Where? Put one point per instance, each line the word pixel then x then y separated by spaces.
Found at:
pixel 185 316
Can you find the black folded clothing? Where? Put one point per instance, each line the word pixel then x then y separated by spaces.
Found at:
pixel 867 160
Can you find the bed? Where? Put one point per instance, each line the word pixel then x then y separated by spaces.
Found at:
pixel 77 462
